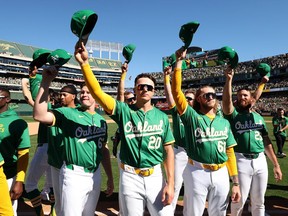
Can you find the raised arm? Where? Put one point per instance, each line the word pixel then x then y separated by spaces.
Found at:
pixel 26 91
pixel 106 101
pixel 227 104
pixel 121 85
pixel 177 93
pixel 40 111
pixel 257 94
pixel 167 87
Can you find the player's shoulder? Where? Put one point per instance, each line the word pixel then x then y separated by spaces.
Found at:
pixel 256 114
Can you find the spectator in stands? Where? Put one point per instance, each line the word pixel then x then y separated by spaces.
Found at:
pixel 280 124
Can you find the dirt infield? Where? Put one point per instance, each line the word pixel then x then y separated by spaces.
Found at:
pixel 109 206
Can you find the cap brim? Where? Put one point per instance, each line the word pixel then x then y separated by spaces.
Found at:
pixel 84 40
pixel 88 28
pixel 234 62
pixel 40 61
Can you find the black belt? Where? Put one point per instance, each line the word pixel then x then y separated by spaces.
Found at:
pixel 251 155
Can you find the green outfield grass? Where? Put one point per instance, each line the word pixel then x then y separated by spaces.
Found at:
pixel 273 189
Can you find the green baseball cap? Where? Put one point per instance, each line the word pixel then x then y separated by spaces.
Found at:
pixel 128 52
pixel 59 57
pixel 263 69
pixel 165 64
pixel 187 31
pixel 172 59
pixel 82 24
pixel 39 58
pixel 229 55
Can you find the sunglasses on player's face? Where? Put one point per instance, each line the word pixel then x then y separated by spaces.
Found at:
pixel 209 95
pixel 129 100
pixel 189 98
pixel 145 86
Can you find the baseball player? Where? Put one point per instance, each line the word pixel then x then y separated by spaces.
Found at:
pixel 209 148
pixel 84 134
pixel 181 157
pixel 280 124
pixel 123 96
pixel 5 201
pixel 68 98
pixel 145 139
pixel 14 147
pixel 251 134
pixel 39 165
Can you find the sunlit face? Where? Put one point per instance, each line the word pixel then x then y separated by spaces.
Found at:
pixel 190 97
pixel 280 112
pixel 244 99
pixel 66 98
pixel 207 97
pixel 4 99
pixel 86 98
pixel 130 99
pixel 144 89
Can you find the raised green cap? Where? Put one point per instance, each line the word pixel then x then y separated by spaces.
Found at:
pixel 263 69
pixel 228 55
pixel 82 24
pixel 59 57
pixel 187 31
pixel 128 51
pixel 39 58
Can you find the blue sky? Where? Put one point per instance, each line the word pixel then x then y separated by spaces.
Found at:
pixel 255 29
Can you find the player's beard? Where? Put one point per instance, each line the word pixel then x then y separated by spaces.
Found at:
pixel 244 105
pixel 208 105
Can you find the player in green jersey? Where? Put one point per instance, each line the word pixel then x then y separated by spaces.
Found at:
pixel 14 147
pixel 251 134
pixel 38 165
pixel 181 158
pixel 280 125
pixel 146 140
pixel 84 134
pixel 68 98
pixel 209 148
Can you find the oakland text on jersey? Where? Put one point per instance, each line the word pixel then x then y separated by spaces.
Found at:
pixel 248 125
pixel 210 134
pixel 144 129
pixel 90 133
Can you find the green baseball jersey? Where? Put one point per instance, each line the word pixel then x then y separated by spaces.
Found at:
pixel 83 135
pixel 279 122
pixel 143 135
pixel 14 135
pixel 177 127
pixel 248 129
pixel 207 140
pixel 1 160
pixel 55 147
pixel 34 83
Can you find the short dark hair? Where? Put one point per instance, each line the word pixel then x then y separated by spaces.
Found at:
pixel 4 89
pixel 189 91
pixel 280 109
pixel 145 75
pixel 70 89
